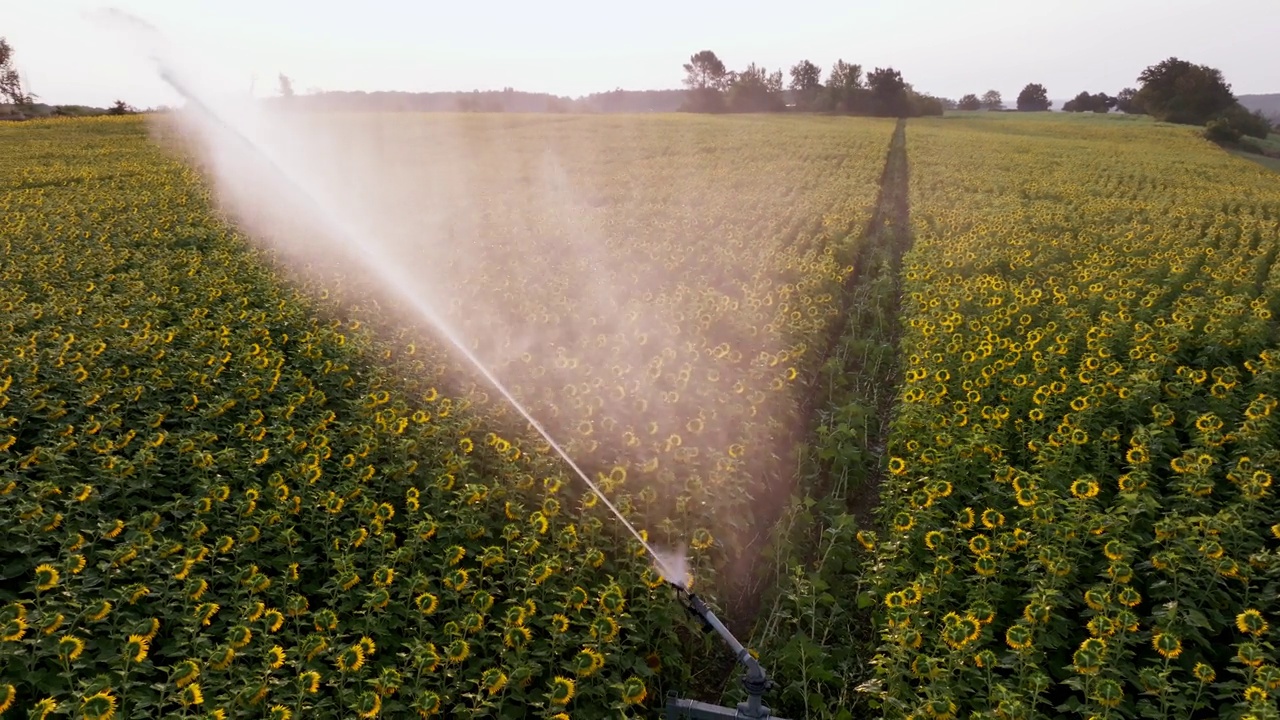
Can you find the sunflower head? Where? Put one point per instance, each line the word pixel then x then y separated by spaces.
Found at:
pixel 46 577
pixel 515 615
pixel 70 647
pixel 457 579
pixel 368 705
pixel 1251 622
pixel 587 662
pixel 482 601
pixel 325 620
pixel 310 681
pixel 559 624
pixel 13 611
pixel 1167 644
pixel 41 710
pixel 633 691
pixel 8 694
pixel 350 659
pixel 458 651
pixel 186 672
pixel 561 690
pixel 222 657
pixel 428 704
pixel 515 636
pixel 428 657
pixel 136 648
pixel 378 599
pixel 493 680
pixel 612 601
pixel 239 636
pixel 98 706
pixel 604 629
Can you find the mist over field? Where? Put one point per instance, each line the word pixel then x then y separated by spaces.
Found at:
pixel 825 396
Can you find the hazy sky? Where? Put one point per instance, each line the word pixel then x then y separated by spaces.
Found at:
pixel 574 47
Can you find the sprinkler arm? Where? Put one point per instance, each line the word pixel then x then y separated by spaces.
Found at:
pixel 754 680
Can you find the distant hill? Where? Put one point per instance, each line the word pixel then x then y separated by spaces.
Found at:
pixel 509 100
pixel 1269 104
pixel 41 110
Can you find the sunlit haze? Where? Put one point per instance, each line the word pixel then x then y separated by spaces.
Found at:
pixel 574 47
pixel 515 261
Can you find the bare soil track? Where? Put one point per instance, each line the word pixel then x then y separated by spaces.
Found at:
pixel 862 348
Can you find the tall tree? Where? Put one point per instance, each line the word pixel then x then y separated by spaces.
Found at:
pixel 1127 101
pixel 969 102
pixel 10 81
pixel 888 92
pixel 844 86
pixel 756 90
pixel 704 71
pixel 992 100
pixel 774 83
pixel 286 86
pixel 706 78
pixel 1178 91
pixel 845 75
pixel 806 82
pixel 1034 98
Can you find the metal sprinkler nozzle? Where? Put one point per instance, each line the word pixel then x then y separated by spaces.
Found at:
pixel 754 680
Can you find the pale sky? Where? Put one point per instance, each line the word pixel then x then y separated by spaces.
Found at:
pixel 575 47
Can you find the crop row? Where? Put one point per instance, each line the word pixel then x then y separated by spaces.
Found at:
pixel 1080 515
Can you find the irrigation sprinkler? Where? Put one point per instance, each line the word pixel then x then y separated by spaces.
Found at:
pixel 754 681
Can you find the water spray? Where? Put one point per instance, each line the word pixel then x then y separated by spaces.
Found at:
pixel 671 567
pixel 373 257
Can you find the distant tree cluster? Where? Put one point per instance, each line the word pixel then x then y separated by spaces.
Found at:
pixel 1182 92
pixel 1085 102
pixel 1127 102
pixel 990 100
pixel 19 103
pixel 1178 91
pixel 882 92
pixel 1034 98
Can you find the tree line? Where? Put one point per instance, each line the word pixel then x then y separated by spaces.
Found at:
pixel 1173 90
pixel 713 88
pixel 1179 91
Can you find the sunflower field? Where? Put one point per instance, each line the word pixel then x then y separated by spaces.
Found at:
pixel 236 484
pixel 1078 518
